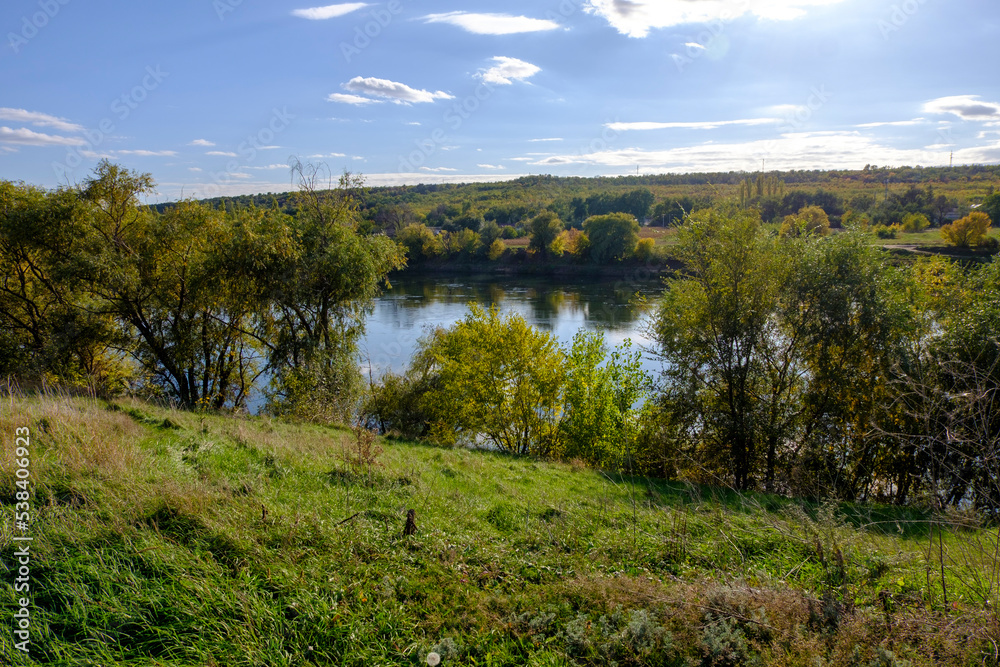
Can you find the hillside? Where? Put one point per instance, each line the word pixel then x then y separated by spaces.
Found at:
pixel 175 538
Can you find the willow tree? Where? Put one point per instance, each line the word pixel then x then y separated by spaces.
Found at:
pixel 712 328
pixel 48 325
pixel 320 296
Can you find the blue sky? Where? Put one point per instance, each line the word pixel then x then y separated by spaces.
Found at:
pixel 214 96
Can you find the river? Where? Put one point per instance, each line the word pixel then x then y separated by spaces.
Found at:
pixel 563 306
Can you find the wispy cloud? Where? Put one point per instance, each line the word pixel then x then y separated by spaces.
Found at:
pixel 398 93
pixel 966 107
pixel 320 156
pixel 492 24
pixel 535 141
pixel 801 150
pixel 437 169
pixel 635 18
pixel 221 153
pixel 343 98
pixel 491 166
pixel 893 123
pixel 38 119
pixel 145 153
pixel 26 137
pixel 329 11
pixel 202 142
pixel 508 70
pixel 696 125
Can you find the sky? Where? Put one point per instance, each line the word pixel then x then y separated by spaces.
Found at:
pixel 219 97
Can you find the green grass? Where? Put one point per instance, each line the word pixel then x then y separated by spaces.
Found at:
pixel 928 237
pixel 171 538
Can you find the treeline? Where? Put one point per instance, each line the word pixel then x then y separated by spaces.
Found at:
pixel 849 197
pixel 802 364
pixel 195 304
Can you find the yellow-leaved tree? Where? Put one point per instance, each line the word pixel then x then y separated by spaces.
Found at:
pixel 499 380
pixel 968 231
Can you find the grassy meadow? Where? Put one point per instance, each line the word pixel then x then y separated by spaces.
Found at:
pixel 164 537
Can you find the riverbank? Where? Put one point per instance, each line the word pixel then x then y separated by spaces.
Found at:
pixel 510 266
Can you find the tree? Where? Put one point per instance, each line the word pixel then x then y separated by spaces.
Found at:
pixel 489 232
pixel 991 207
pixel 710 327
pixel 420 243
pixel 600 418
pixel 613 237
pixel 968 231
pixel 545 229
pixel 498 379
pixel 809 220
pixel 45 330
pixel 320 297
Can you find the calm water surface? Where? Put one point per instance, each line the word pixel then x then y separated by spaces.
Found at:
pixel 414 306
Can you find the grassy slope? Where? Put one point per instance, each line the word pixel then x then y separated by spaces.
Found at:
pixel 172 538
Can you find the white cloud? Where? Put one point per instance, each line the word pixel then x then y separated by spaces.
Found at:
pixel 321 156
pixel 39 119
pixel 26 137
pixel 635 18
pixel 271 166
pixel 393 91
pixel 342 98
pixel 492 24
pixel 696 45
pixel 697 125
pixel 507 70
pixel 802 150
pixel 437 169
pixel 201 142
pixel 535 141
pixel 329 11
pixel 894 123
pixel 221 153
pixel 491 166
pixel 240 174
pixel 966 107
pixel 194 169
pixel 144 153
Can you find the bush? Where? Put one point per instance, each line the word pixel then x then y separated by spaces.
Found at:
pixel 886 231
pixel 915 222
pixel 645 250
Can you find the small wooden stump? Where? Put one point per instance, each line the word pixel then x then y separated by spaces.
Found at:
pixel 411 523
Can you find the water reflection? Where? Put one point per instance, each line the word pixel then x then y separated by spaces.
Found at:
pixel 414 306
